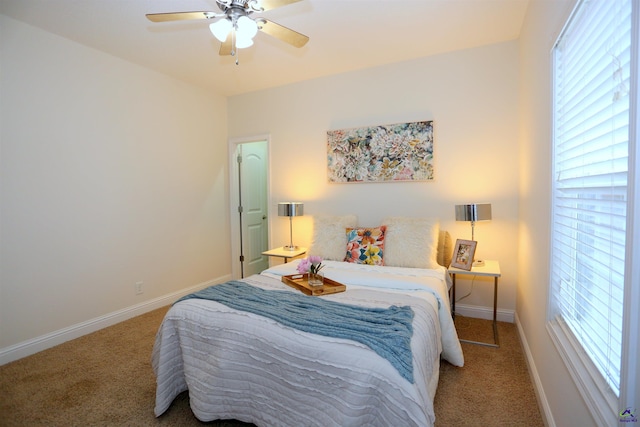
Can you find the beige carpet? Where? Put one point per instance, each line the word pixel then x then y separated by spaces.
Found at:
pixel 494 387
pixel 105 379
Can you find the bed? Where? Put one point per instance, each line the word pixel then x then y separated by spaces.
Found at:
pixel 239 364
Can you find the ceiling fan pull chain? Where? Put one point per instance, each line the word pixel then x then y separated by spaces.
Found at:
pixel 233 42
pixel 235 51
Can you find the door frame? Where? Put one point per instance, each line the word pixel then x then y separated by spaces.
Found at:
pixel 234 199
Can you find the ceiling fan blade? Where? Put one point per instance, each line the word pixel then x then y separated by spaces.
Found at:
pixel 226 47
pixel 285 34
pixel 273 4
pixel 180 16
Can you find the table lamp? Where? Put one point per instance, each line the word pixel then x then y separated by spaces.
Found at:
pixel 290 209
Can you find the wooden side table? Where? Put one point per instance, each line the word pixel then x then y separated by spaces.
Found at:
pixel 285 253
pixel 489 269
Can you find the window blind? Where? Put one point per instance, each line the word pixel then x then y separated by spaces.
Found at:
pixel 590 162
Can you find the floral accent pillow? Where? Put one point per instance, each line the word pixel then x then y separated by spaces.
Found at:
pixel 365 245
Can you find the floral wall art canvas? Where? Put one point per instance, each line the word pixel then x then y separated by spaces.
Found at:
pixel 398 152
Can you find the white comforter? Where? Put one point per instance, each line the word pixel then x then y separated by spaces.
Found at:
pixel 239 365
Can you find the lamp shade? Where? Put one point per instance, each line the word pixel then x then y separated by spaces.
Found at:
pixel 290 209
pixel 243 43
pixel 221 28
pixel 473 212
pixel 247 28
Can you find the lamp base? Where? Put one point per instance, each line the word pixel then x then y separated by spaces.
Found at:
pixel 478 263
pixel 291 248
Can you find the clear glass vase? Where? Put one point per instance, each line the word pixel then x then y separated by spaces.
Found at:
pixel 316 279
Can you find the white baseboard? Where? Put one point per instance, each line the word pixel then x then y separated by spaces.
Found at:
pixel 537 383
pixel 32 346
pixel 480 312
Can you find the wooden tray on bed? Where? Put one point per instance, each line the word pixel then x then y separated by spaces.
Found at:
pixel 301 283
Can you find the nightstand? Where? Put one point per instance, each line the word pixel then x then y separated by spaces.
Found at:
pixel 489 269
pixel 285 253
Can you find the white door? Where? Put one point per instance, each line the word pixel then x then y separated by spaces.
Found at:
pixel 254 206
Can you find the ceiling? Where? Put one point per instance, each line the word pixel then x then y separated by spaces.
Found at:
pixel 345 35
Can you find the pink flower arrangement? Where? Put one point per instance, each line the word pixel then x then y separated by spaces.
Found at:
pixel 312 265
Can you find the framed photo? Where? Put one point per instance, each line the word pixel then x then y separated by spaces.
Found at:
pixel 463 254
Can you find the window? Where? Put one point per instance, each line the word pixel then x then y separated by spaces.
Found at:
pixel 591 194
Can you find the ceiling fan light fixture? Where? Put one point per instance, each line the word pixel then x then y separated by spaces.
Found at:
pixel 220 29
pixel 234 27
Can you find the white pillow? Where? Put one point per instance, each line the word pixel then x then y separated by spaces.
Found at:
pixel 411 242
pixel 330 237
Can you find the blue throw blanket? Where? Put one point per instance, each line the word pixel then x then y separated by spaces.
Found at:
pixel 387 331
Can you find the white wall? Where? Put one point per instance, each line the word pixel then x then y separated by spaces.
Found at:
pixel 472 97
pixel 544 20
pixel 110 174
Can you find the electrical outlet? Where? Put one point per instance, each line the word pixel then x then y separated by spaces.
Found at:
pixel 138 288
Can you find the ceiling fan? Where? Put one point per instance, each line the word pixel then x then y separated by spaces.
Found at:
pixel 235 27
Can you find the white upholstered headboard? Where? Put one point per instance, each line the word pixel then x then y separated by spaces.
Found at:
pixel 409 242
pixel 445 248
